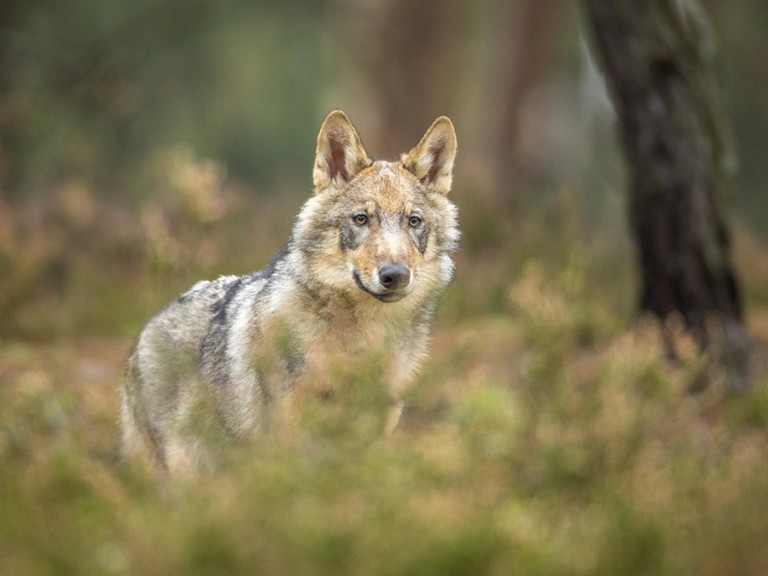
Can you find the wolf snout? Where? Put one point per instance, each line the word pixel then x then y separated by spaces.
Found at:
pixel 394 276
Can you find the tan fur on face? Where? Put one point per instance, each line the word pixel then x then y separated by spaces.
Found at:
pixel 388 194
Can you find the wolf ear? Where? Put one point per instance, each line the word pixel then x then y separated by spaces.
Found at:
pixel 340 153
pixel 431 160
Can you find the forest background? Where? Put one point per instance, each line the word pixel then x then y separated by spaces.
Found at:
pixel 146 145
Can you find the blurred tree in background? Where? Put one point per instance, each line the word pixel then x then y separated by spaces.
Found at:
pixel 406 55
pixel 657 60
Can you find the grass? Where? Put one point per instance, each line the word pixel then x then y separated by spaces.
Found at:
pixel 547 436
pixel 597 465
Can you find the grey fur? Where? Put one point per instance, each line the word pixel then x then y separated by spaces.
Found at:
pixel 220 357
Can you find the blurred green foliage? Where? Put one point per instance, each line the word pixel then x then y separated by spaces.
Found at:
pixel 598 465
pixel 92 91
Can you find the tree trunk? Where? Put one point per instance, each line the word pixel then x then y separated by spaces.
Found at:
pixel 525 60
pixel 655 57
pixel 407 51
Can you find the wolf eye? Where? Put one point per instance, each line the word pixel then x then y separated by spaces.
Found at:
pixel 414 221
pixel 360 219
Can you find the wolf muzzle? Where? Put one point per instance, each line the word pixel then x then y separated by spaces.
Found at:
pixel 393 279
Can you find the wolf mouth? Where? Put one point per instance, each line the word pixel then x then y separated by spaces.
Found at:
pixel 387 297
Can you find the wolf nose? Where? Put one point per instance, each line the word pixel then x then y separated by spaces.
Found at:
pixel 394 277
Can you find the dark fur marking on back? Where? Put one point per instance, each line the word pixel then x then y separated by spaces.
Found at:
pixel 271 266
pixel 184 298
pixel 219 308
pixel 216 340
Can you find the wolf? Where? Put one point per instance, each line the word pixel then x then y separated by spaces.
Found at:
pixel 368 255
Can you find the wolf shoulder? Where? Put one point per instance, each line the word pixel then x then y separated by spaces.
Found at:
pixel 188 318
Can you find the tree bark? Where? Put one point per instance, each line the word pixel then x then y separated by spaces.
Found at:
pixel 655 58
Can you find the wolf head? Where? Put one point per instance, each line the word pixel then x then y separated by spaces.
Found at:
pixel 376 230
